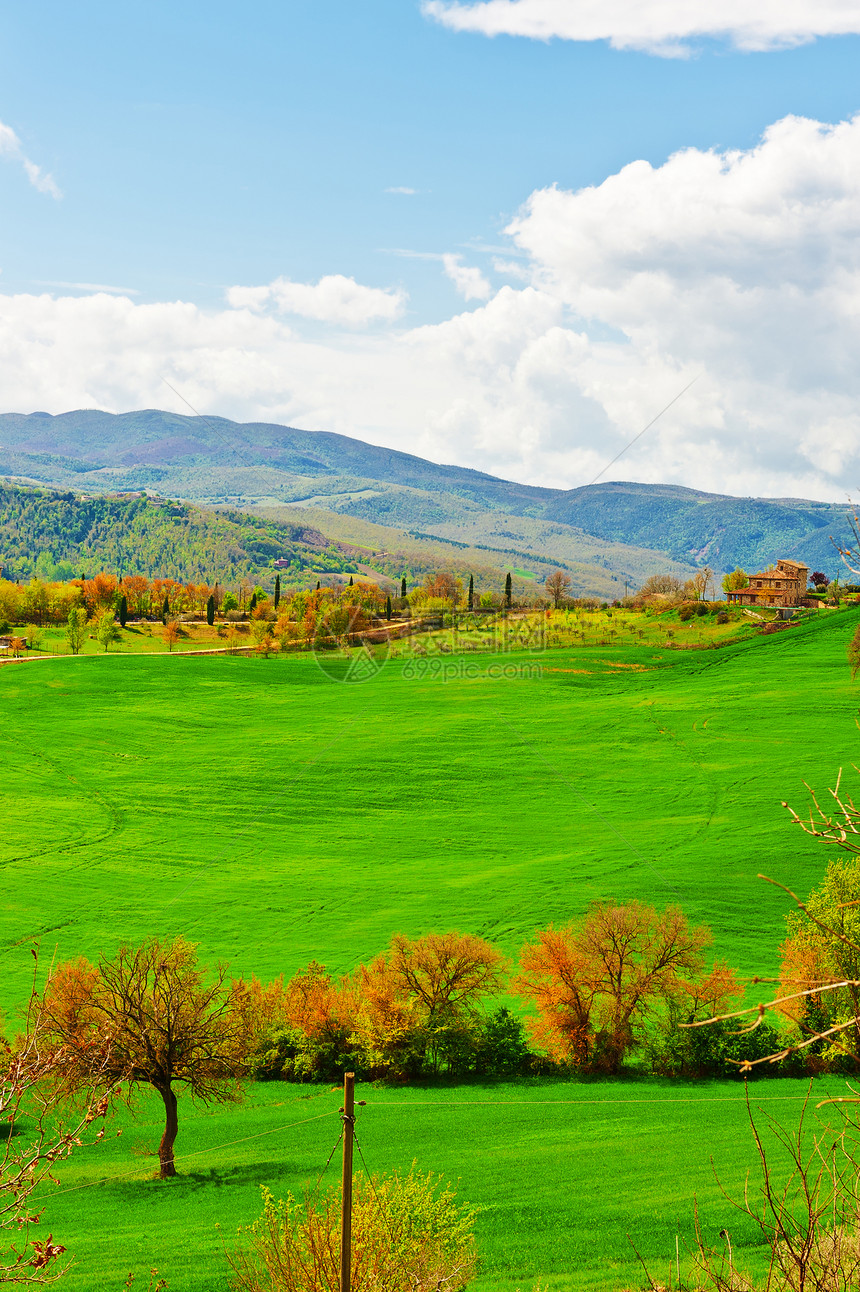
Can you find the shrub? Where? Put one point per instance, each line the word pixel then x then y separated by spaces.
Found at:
pixel 711 1051
pixel 502 1048
pixel 702 608
pixel 408 1231
pixel 686 612
pixel 289 1054
pixel 722 617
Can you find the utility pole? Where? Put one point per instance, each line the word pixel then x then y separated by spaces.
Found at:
pixel 348 1119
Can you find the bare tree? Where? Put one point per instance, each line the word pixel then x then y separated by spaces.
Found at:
pixel 701 581
pixel 558 584
pixel 166 1026
pixel 806 1206
pixel 850 552
pixel 661 585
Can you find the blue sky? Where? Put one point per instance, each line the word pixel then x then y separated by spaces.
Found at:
pixel 197 148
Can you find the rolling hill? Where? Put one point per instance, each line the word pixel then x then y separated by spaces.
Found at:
pixel 606 534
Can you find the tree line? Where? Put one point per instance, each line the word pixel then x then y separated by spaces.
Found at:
pixel 618 983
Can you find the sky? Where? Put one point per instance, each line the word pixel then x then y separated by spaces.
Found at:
pixel 505 235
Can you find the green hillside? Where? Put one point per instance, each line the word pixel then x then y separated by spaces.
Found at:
pixel 215 461
pixel 664 782
pixel 712 528
pixel 274 815
pixel 62 535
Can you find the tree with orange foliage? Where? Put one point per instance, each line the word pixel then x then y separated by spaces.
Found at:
pixel 445 587
pixel 171 634
pixel 166 1025
pixel 164 592
pixel 557 977
pixel 597 985
pixel 136 589
pixel 428 992
pixel 99 593
pixel 302 1030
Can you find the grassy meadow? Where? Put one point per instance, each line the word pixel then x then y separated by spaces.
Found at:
pixel 273 815
pixel 566 1174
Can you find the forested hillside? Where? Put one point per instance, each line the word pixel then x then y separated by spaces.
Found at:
pixel 629 529
pixel 63 535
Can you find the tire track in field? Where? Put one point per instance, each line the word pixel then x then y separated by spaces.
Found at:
pixel 707 781
pixel 114 814
pixel 115 821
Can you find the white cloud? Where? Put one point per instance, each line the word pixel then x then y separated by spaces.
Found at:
pixel 743 267
pixel 403 190
pixel 334 299
pixel 12 150
pixel 660 28
pixel 469 281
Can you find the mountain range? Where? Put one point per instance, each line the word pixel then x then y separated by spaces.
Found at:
pixel 605 534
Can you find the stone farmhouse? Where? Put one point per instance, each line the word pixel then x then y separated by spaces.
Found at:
pixel 782 585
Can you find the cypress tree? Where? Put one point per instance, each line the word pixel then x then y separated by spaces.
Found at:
pixel 318 585
pixel 277 589
pixel 350 584
pixel 165 610
pixel 508 591
pixel 403 586
pixel 388 607
pixel 253 603
pixel 210 611
pixel 471 591
pixel 123 611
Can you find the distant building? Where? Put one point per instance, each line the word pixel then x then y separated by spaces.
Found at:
pixel 783 585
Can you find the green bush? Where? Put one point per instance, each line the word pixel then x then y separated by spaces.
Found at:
pixel 286 1054
pixel 494 1046
pixel 686 612
pixel 711 1051
pixel 722 617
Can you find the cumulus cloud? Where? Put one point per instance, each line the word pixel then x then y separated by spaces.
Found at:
pixel 334 299
pixel 740 268
pixel 403 190
pixel 12 150
pixel 666 28
pixel 468 280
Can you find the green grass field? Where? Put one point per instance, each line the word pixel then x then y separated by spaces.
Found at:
pixel 273 815
pixel 563 1172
